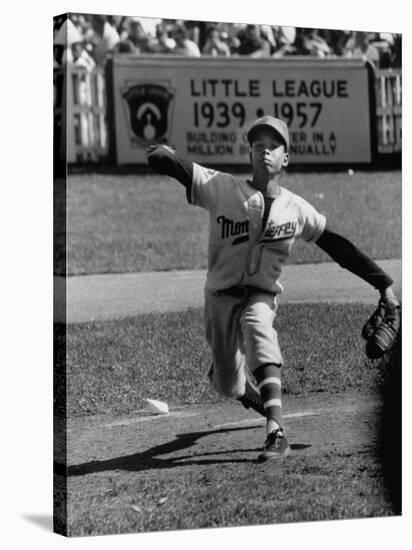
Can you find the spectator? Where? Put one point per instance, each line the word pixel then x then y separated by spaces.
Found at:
pixel 150 25
pixel 315 44
pixel 80 22
pixel 336 40
pixel 214 45
pixel 309 42
pixel 115 21
pixel 64 36
pixel 359 46
pixel 122 27
pixel 135 40
pixel 162 43
pixel 184 46
pixel 284 41
pixel 384 43
pixel 100 35
pixel 103 38
pixel 300 43
pixel 228 34
pixel 269 35
pixel 196 31
pixel 252 42
pixel 81 58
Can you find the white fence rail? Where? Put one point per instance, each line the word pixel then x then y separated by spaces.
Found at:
pixel 388 93
pixel 80 106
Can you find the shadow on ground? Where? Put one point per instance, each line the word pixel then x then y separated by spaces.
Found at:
pixel 148 460
pixel 44 521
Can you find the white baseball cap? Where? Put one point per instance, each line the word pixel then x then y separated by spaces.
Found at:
pixel 270 122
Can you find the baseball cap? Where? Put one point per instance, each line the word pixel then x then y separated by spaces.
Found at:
pixel 269 121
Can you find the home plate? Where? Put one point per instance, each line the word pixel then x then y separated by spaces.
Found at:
pixel 260 421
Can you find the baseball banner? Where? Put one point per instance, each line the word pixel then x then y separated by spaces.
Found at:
pixel 203 107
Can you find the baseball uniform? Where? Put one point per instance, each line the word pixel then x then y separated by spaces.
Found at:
pixel 242 254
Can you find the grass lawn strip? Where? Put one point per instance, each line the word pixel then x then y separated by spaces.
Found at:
pixel 119 224
pixel 112 366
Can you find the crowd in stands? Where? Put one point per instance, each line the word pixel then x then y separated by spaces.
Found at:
pixel 88 40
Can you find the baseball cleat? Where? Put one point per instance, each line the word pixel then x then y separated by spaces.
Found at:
pixel 251 399
pixel 276 446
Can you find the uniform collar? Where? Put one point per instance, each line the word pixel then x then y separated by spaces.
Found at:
pixel 278 192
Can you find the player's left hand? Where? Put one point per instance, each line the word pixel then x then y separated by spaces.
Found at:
pixel 381 329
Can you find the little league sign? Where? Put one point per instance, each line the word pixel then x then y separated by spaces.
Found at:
pixel 203 107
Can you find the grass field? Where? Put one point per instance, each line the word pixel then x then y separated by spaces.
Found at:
pixel 113 365
pixel 142 223
pixel 236 493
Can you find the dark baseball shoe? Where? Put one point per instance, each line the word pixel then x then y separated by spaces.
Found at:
pixel 276 446
pixel 251 399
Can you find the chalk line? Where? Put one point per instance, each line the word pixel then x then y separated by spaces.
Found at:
pixel 260 421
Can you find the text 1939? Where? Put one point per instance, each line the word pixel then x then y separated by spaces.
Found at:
pixel 222 114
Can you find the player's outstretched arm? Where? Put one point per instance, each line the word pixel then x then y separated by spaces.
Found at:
pixel 382 328
pixel 164 160
pixel 348 256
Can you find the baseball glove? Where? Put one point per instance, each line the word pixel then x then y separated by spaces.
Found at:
pixel 381 329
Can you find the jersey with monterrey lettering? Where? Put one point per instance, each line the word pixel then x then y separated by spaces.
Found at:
pixel 241 251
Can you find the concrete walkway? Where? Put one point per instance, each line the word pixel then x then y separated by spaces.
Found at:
pixel 100 297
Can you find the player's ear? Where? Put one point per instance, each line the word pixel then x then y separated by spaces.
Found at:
pixel 285 160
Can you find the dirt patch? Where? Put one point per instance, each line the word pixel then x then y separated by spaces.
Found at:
pixel 143 473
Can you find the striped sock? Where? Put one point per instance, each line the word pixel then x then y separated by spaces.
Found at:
pixel 268 378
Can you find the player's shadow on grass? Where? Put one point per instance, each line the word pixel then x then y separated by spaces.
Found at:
pixel 148 460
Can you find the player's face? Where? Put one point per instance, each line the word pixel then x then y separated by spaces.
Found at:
pixel 268 152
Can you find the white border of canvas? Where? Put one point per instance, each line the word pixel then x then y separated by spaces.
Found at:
pixel 26 282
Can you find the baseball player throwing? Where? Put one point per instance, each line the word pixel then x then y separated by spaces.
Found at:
pixel 253 226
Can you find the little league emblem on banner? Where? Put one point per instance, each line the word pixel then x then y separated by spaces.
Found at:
pixel 148 107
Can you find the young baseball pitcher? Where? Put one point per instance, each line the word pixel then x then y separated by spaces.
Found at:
pixel 253 226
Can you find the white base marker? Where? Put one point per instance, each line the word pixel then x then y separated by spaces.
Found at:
pixel 157 407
